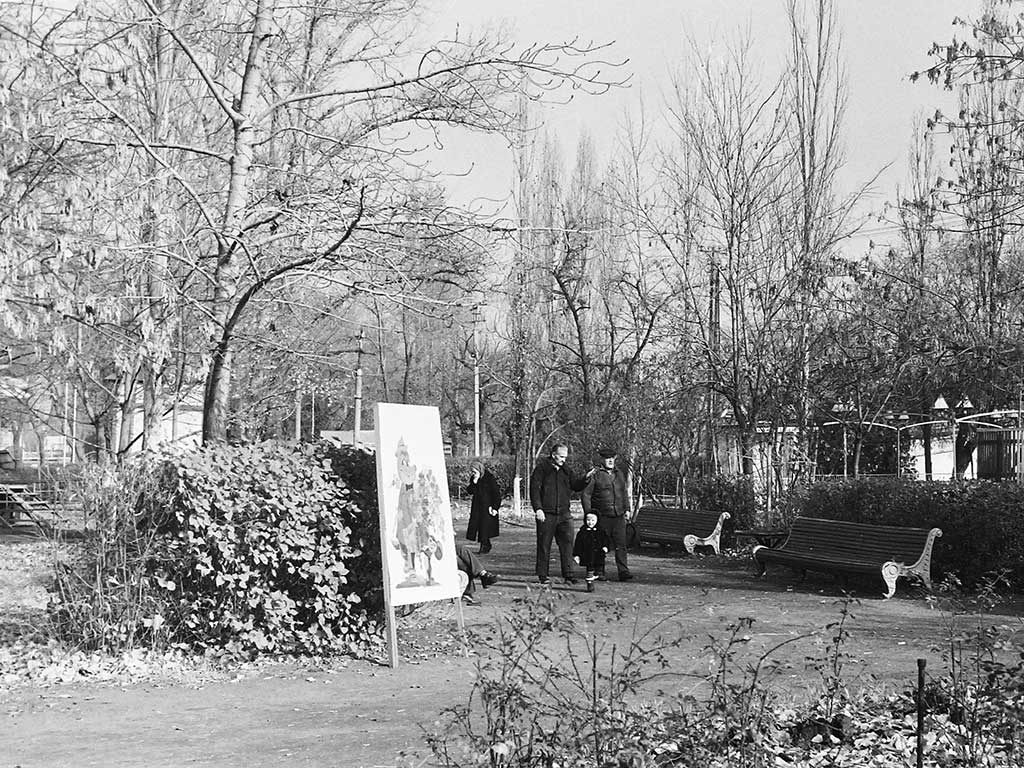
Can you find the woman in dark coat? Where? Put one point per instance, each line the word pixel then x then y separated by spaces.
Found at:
pixel 483 511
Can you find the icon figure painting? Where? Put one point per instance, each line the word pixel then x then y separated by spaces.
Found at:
pixel 417 536
pixel 417 532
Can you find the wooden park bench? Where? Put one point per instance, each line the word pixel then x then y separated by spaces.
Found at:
pixel 843 547
pixel 670 525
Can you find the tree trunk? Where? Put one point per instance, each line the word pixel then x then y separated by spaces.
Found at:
pixel 218 380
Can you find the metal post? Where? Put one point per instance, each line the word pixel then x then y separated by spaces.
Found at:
pixel 898 455
pixel 476 409
pixel 357 422
pixel 846 471
pixel 476 381
pixel 920 712
pixel 298 412
pixel 954 475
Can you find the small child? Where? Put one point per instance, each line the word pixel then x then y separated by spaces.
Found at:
pixel 590 548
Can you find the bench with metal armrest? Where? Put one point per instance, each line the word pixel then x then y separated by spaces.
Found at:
pixel 672 525
pixel 839 546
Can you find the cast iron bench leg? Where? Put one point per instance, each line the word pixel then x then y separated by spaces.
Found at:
pixel 890 572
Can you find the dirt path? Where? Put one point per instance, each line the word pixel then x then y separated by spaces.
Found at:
pixel 360 714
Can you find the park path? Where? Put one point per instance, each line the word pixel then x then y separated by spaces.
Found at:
pixel 362 714
pixel 357 716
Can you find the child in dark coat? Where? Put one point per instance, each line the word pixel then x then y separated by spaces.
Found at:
pixel 591 546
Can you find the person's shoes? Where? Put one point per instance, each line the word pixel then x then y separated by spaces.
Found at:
pixel 544 581
pixel 484 549
pixel 470 600
pixel 625 576
pixel 487 578
pixel 571 580
pixel 590 586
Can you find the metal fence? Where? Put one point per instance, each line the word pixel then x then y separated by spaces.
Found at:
pixel 1000 454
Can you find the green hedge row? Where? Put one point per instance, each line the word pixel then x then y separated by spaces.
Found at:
pixel 722 493
pixel 982 522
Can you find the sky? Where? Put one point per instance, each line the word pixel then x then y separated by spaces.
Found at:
pixel 883 41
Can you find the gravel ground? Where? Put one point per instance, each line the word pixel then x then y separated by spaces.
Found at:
pixel 74 709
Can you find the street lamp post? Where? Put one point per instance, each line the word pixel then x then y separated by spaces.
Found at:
pixel 358 419
pixel 476 381
pixel 842 410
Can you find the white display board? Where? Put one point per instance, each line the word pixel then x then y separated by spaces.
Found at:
pixel 416 534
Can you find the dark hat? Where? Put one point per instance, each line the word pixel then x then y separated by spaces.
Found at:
pixel 607 453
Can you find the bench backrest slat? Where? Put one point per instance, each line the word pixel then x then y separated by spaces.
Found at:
pixel 673 523
pixel 860 541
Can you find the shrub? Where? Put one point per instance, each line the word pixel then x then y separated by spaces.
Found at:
pixel 724 493
pixel 356 469
pixel 551 689
pixel 103 598
pixel 982 527
pixel 243 550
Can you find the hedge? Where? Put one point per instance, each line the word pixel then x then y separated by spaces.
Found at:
pixel 982 522
pixel 243 550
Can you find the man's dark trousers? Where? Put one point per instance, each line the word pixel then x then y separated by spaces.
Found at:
pixel 560 530
pixel 615 527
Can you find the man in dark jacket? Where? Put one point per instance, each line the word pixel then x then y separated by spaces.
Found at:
pixel 607 496
pixel 551 485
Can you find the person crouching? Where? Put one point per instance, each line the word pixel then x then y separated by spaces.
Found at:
pixel 591 546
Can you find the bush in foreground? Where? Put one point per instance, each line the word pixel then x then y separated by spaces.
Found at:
pixel 237 550
pixel 550 691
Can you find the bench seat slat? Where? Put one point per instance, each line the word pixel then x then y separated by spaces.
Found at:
pixel 825 563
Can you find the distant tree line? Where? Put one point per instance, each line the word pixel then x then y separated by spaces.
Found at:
pixel 229 203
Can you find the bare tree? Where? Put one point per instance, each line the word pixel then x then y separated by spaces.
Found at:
pixel 294 141
pixel 818 217
pixel 733 129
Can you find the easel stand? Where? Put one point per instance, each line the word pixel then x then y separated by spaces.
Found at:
pixel 391 630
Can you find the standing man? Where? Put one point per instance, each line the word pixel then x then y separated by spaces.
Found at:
pixel 551 484
pixel 606 496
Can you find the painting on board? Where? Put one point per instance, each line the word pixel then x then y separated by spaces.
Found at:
pixel 417 538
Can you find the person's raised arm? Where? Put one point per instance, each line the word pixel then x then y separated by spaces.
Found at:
pixel 578 482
